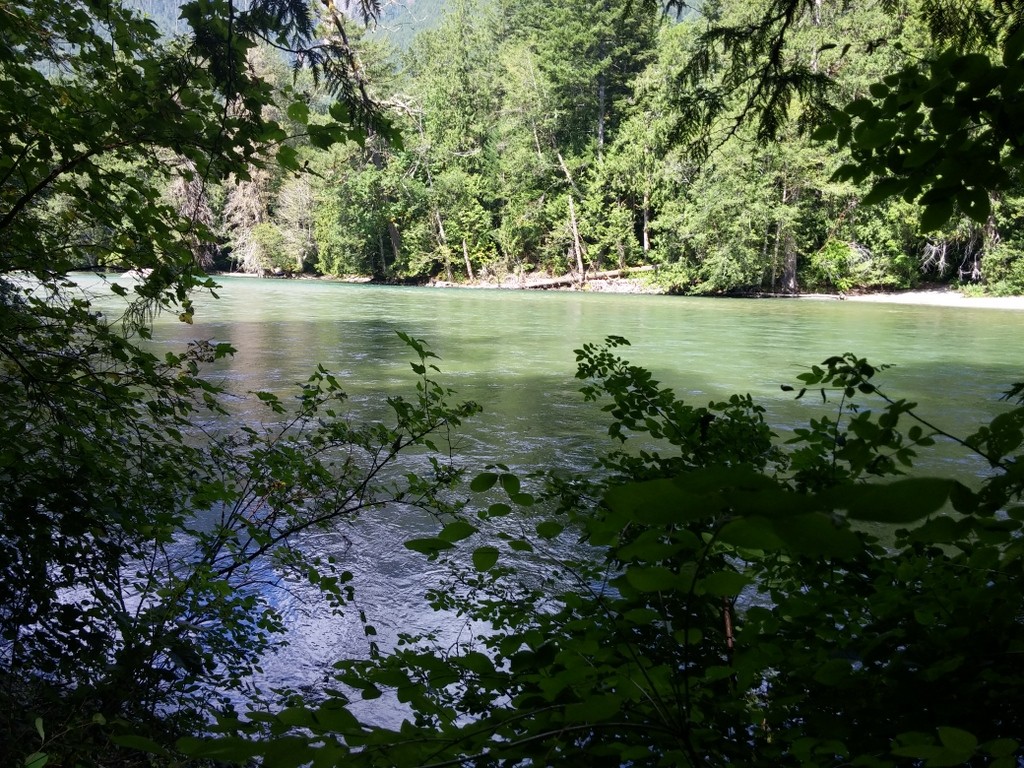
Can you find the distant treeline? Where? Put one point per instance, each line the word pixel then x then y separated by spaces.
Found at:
pixel 556 137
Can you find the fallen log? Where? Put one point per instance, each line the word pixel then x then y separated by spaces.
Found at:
pixel 557 282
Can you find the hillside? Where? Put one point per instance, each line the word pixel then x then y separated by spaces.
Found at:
pixel 402 20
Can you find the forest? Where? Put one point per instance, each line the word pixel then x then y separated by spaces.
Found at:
pixel 558 138
pixel 722 596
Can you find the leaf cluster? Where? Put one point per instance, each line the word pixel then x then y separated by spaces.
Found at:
pixel 946 135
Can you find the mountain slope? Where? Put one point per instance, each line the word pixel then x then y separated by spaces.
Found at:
pixel 402 20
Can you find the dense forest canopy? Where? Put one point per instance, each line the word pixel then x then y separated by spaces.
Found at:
pixel 576 137
pixel 716 601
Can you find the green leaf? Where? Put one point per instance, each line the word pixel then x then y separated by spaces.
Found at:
pixel 725 583
pixel 975 203
pixel 832 672
pixel 299 112
pixel 654 578
pixel 339 111
pixel 924 617
pixel 140 743
pixel 430 545
pixel 232 748
pixel 593 710
pixel 957 739
pixel 824 132
pixel 660 502
pixel 882 190
pixel 937 530
pixel 549 529
pixel 818 535
pixel 751 533
pixel 370 691
pixel 510 484
pixel 296 717
pixel 927 752
pixel 970 67
pixel 936 215
pixel 921 153
pixel 1001 747
pixel 483 482
pixel 903 501
pixel 286 752
pixel 499 510
pixel 873 135
pixel 1013 47
pixel 859 107
pixel 656 501
pixel 36 760
pixel 476 662
pixel 288 158
pixel 457 531
pixel 484 558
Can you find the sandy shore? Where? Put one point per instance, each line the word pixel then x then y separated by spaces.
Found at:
pixel 942 297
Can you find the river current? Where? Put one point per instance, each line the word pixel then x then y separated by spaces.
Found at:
pixel 513 352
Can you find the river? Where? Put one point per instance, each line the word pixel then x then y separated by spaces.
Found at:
pixel 513 353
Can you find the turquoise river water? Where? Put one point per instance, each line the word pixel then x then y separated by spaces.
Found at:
pixel 513 353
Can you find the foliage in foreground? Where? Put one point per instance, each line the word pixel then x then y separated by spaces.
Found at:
pixel 142 556
pixel 136 536
pixel 717 601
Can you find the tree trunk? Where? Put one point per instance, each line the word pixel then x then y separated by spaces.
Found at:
pixel 377 159
pixel 784 239
pixel 396 240
pixel 784 251
pixel 565 280
pixel 442 241
pixel 789 284
pixel 775 255
pixel 465 255
pixel 577 243
pixel 647 224
pixel 565 170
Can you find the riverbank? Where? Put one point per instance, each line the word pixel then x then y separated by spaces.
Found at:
pixel 626 284
pixel 942 297
pixel 936 297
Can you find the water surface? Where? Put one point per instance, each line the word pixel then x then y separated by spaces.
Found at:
pixel 513 352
